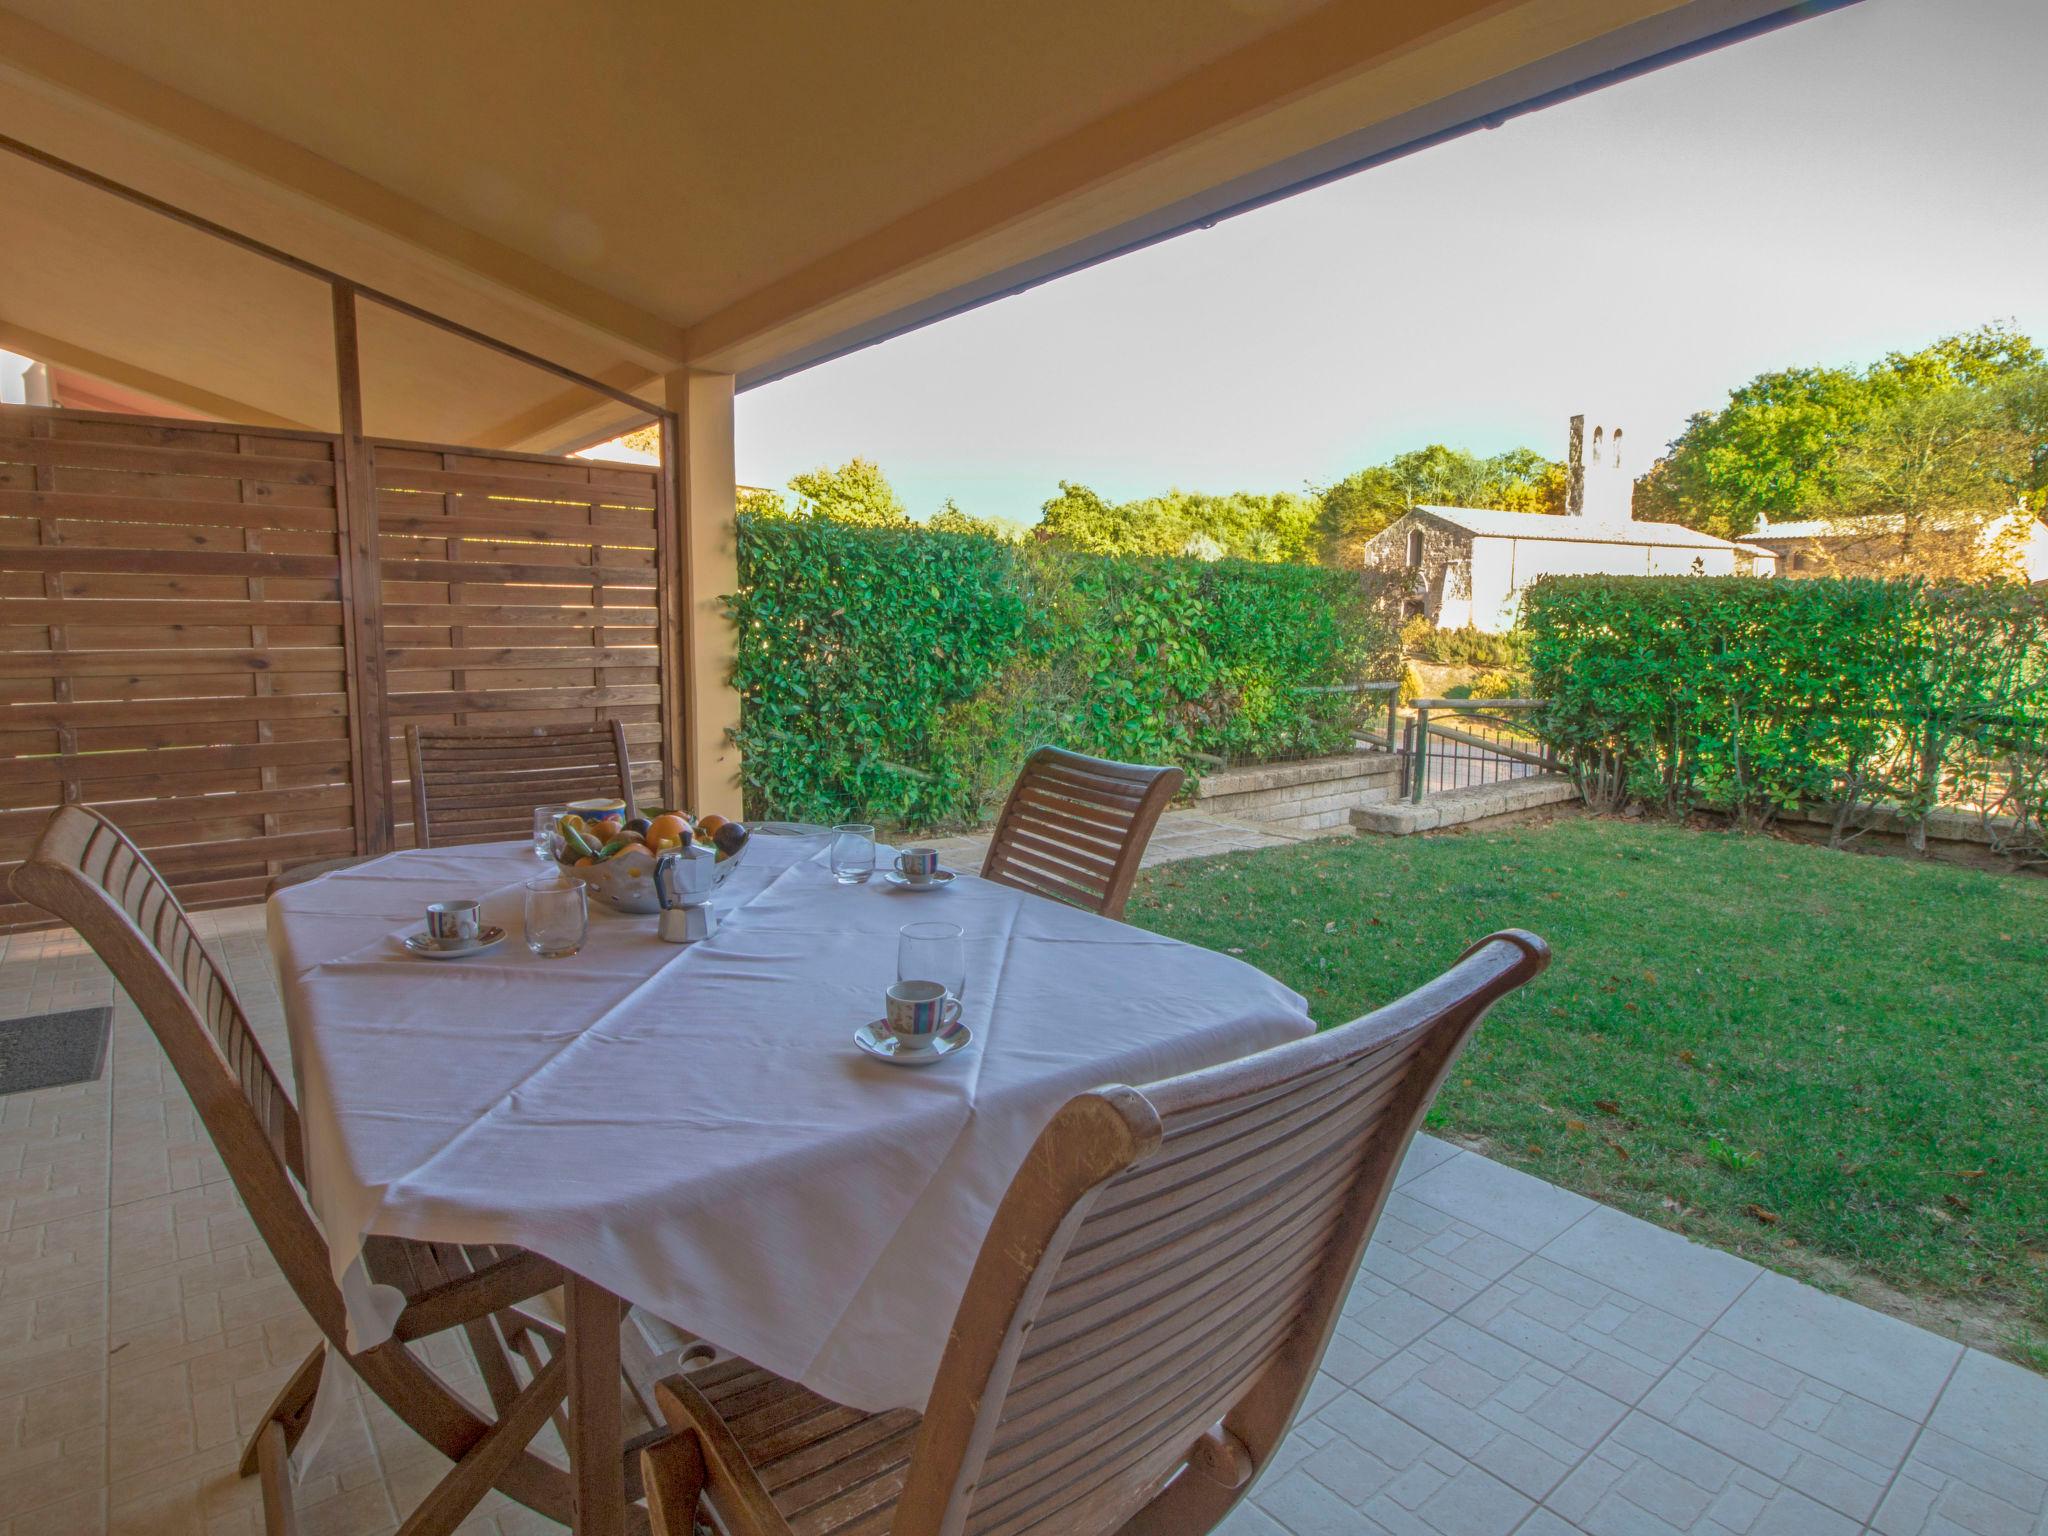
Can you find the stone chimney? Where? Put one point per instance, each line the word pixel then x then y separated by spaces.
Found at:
pixel 1600 484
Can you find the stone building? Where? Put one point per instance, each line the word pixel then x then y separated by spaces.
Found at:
pixel 1468 566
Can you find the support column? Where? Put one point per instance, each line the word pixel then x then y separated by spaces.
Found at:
pixel 362 593
pixel 703 471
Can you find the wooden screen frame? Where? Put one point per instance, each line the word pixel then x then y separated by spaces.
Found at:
pixel 157 532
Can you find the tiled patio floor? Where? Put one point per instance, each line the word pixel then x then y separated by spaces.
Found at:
pixel 1518 1359
pixel 1514 1359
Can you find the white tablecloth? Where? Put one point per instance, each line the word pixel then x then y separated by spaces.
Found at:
pixel 692 1127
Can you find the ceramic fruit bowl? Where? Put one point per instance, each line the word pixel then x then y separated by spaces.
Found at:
pixel 625 881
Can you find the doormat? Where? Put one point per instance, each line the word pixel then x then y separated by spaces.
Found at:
pixel 53 1050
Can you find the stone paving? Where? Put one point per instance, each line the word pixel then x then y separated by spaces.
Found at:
pixel 1513 1358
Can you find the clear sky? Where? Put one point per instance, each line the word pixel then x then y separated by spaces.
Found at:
pixel 1862 181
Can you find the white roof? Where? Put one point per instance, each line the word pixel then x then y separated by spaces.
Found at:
pixel 1885 522
pixel 1487 523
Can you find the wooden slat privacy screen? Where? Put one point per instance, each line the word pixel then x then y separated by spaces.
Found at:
pixel 184 644
pixel 519 591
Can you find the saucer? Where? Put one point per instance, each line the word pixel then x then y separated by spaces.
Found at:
pixel 435 949
pixel 875 1039
pixel 903 882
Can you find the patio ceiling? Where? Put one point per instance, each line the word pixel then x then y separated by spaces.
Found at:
pixel 634 190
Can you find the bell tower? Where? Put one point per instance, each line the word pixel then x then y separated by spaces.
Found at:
pixel 1600 483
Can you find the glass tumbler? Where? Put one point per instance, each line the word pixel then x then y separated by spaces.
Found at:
pixel 853 853
pixel 557 916
pixel 544 819
pixel 933 952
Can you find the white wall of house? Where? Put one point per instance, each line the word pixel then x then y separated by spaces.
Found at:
pixel 1466 580
pixel 1502 569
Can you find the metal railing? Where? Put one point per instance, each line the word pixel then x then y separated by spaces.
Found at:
pixel 1459 743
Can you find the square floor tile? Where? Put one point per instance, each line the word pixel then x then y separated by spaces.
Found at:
pixel 1500 1200
pixel 1879 1358
pixel 1644 1261
pixel 1800 1432
pixel 1424 1153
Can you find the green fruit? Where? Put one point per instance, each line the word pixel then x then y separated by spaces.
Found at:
pixel 618 845
pixel 577 844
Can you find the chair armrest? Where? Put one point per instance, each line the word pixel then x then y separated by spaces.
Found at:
pixel 702 1459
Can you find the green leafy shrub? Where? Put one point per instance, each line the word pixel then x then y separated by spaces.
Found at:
pixel 851 642
pixel 1757 696
pixel 904 673
pixel 1465 647
pixel 1496 684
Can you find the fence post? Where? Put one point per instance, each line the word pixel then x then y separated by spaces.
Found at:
pixel 1393 714
pixel 1420 761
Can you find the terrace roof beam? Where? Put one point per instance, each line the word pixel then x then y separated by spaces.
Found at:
pixel 114 370
pixel 164 112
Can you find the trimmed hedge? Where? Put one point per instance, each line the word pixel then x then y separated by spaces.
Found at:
pixel 1755 696
pixel 902 675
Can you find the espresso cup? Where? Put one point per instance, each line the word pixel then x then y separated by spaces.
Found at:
pixel 920 866
pixel 453 922
pixel 919 1012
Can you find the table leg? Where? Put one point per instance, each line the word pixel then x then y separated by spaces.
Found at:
pixel 597 1430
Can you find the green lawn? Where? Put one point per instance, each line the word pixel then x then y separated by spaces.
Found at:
pixel 1809 1057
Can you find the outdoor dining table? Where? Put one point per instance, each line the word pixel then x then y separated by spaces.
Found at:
pixel 690 1129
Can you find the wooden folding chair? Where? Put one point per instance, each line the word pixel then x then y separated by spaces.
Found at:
pixel 1147 1313
pixel 1075 828
pixel 480 784
pixel 86 872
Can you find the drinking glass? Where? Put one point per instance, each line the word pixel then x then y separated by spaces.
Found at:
pixel 544 819
pixel 853 853
pixel 932 952
pixel 557 916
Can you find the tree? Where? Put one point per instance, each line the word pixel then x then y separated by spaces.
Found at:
pixel 2024 399
pixel 1362 504
pixel 951 519
pixel 1356 508
pixel 856 492
pixel 1081 519
pixel 1243 525
pixel 1777 449
pixel 1929 486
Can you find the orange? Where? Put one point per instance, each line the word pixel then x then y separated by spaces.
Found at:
pixel 708 825
pixel 665 827
pixel 585 862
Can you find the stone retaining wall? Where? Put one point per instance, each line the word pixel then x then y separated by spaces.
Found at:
pixel 1462 807
pixel 1304 798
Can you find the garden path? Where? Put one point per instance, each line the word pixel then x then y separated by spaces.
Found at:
pixel 1180 834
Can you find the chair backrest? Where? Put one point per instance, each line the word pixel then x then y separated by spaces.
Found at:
pixel 479 784
pixel 1074 828
pixel 1164 1274
pixel 85 871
